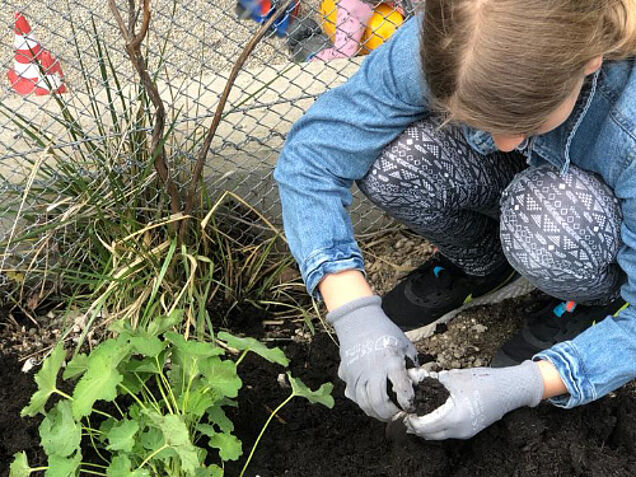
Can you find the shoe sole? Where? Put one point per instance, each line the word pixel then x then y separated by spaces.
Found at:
pixel 518 287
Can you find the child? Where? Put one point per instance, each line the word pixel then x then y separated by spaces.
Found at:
pixel 552 87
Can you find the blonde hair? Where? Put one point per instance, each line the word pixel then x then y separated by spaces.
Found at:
pixel 504 65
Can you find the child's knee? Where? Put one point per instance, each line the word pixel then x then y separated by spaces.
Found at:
pixel 560 228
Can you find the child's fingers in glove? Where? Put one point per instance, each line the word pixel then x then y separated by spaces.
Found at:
pixel 402 387
pixel 418 374
pixel 431 424
pixel 381 406
pixel 359 394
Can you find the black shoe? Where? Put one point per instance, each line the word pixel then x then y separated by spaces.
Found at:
pixel 435 292
pixel 554 322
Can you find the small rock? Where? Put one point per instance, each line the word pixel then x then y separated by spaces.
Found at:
pixel 29 364
pixel 282 381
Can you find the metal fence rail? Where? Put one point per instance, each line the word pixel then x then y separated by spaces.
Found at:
pixel 191 48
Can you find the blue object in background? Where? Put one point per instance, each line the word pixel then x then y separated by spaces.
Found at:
pixel 261 10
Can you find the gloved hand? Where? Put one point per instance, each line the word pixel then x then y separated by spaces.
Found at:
pixel 478 398
pixel 372 350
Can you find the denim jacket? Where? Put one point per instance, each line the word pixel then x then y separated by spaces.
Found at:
pixel 343 133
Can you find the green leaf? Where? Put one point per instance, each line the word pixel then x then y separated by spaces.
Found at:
pixel 120 466
pixel 211 471
pixel 63 466
pixel 221 376
pixel 107 425
pixel 322 395
pixel 133 384
pixel 273 355
pixel 151 439
pixel 122 436
pixel 143 342
pixel 146 365
pixel 230 448
pixel 187 354
pixel 60 434
pixel 176 435
pixel 149 346
pixel 217 416
pixel 46 380
pixel 206 429
pixel 193 347
pixel 197 401
pixel 165 323
pixel 20 466
pixel 77 366
pixel 101 379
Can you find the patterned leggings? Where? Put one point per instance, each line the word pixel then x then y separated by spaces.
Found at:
pixel 562 233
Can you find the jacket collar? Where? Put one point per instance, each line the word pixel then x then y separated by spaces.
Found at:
pixel 553 147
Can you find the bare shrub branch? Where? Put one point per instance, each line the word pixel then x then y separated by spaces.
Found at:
pixel 133 48
pixel 205 148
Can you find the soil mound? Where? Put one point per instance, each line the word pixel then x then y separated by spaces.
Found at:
pixel 311 441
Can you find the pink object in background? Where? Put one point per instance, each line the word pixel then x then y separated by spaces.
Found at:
pixel 352 19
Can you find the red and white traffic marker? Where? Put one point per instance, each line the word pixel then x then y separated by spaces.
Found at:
pixel 35 70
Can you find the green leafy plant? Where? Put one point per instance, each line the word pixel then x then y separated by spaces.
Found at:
pixel 149 402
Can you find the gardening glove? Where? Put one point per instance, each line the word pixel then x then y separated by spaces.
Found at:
pixel 478 397
pixel 373 350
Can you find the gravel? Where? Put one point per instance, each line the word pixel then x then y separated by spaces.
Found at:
pixel 202 35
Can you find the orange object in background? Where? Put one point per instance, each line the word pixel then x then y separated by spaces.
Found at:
pixel 383 23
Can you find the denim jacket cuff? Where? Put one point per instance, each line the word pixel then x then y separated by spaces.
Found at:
pixel 335 259
pixel 566 359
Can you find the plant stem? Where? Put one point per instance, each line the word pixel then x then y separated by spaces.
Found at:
pixel 92 472
pixel 243 354
pixel 166 383
pixel 147 459
pixel 64 395
pixel 271 416
pixel 133 48
pixel 102 413
pixel 163 394
pixel 95 465
pixel 133 396
pixel 216 120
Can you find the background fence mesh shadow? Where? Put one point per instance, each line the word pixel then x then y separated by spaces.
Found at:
pixel 191 48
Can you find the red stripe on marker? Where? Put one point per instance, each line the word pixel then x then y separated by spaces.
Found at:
pixel 22 27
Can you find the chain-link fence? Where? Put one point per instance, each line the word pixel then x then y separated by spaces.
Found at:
pixel 191 48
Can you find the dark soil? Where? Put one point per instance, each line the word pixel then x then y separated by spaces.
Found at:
pixel 598 439
pixel 17 434
pixel 429 395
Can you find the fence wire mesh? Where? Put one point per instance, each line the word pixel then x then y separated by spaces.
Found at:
pixel 101 124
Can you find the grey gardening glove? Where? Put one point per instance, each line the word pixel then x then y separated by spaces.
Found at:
pixel 372 350
pixel 478 398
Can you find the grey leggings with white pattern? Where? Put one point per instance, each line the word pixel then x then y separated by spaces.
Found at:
pixel 562 233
